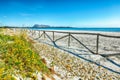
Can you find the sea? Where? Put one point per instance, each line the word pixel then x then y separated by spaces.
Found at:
pixel 78 29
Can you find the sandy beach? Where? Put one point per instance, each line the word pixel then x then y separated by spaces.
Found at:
pixel 106 46
pixel 60 40
pixel 66 66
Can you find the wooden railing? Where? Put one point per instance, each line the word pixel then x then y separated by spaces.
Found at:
pixel 53 39
pixel 70 35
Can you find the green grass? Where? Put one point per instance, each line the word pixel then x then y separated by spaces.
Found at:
pixel 17 58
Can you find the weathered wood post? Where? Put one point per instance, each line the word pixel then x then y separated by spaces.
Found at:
pixel 44 34
pixel 97 44
pixel 53 36
pixel 33 32
pixel 68 39
pixel 39 33
pixel 53 40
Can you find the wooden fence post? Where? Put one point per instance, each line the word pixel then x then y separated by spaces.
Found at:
pixel 39 33
pixel 69 40
pixel 97 44
pixel 44 34
pixel 53 36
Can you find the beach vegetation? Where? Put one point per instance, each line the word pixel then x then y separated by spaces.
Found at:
pixel 18 59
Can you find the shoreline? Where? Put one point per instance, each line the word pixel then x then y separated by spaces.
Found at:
pixel 80 31
pixel 105 29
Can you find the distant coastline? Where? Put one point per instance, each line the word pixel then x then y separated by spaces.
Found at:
pixel 103 29
pixel 79 29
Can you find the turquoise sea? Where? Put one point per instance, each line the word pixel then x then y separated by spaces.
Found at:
pixel 79 29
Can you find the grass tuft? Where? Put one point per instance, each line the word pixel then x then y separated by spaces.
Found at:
pixel 17 58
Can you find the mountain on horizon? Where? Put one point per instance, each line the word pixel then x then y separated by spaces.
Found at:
pixel 40 26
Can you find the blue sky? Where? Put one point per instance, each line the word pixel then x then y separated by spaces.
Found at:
pixel 77 13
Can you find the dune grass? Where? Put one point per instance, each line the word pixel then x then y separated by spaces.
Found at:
pixel 18 59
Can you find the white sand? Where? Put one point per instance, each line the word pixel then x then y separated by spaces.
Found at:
pixel 106 45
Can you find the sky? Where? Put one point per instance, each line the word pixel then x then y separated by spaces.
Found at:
pixel 74 13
